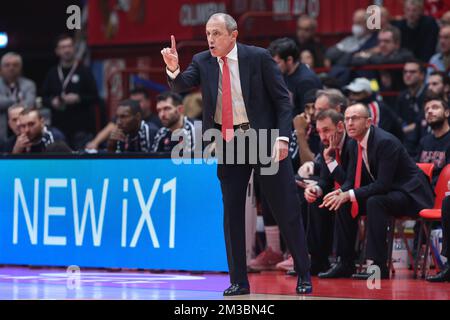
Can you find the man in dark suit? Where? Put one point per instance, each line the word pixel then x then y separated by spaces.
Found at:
pixel 242 88
pixel 382 181
pixel 333 159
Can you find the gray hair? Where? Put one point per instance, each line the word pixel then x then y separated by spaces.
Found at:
pixel 418 3
pixel 309 19
pixel 335 98
pixel 230 23
pixel 11 55
pixel 16 106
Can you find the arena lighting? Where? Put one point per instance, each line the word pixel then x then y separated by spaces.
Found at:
pixel 3 39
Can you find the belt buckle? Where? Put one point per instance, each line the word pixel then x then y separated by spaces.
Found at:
pixel 244 127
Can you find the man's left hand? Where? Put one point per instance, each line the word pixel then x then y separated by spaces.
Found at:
pixel 280 151
pixel 71 98
pixel 333 201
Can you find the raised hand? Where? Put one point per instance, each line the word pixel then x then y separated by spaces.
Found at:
pixel 301 122
pixel 170 55
pixel 117 135
pixel 22 143
pixel 333 145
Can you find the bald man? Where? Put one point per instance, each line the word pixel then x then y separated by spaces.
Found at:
pixel 382 182
pixel 243 90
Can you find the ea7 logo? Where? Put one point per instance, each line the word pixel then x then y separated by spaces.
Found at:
pixel 374 280
pixel 74 20
pixel 373 17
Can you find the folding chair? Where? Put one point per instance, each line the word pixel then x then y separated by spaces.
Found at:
pixel 428 216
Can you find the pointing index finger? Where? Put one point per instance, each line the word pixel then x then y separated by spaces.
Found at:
pixel 173 42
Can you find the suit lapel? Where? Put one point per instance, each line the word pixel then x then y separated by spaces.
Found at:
pixel 244 72
pixel 370 151
pixel 345 151
pixel 214 80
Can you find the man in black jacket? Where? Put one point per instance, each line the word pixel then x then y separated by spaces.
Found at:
pixel 419 32
pixel 333 160
pixel 410 103
pixel 242 88
pixel 71 92
pixel 389 52
pixel 299 77
pixel 382 181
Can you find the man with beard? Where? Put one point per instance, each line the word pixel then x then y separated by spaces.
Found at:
pixel 132 133
pixel 439 83
pixel 170 109
pixel 34 136
pixel 333 165
pixel 435 147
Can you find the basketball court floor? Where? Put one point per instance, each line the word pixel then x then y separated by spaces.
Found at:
pixel 56 283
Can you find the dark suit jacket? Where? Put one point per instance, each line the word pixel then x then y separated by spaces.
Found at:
pixel 389 121
pixel 299 83
pixel 422 39
pixel 339 174
pixel 392 169
pixel 265 94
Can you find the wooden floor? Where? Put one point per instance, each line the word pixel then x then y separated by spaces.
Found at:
pixel 54 283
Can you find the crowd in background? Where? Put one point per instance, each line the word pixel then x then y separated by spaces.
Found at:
pixel 410 102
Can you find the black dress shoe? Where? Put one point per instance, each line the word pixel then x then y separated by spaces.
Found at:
pixel 237 290
pixel 317 268
pixel 291 273
pixel 339 270
pixel 366 275
pixel 443 276
pixel 304 285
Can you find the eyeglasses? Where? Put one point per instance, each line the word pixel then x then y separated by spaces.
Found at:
pixel 354 118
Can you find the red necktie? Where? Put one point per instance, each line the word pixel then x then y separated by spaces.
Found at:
pixel 355 207
pixel 227 109
pixel 338 160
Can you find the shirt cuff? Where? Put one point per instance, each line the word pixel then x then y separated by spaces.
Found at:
pixel 332 165
pixel 286 139
pixel 174 74
pixel 352 195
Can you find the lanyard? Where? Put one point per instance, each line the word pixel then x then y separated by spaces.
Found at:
pixel 14 92
pixel 65 81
